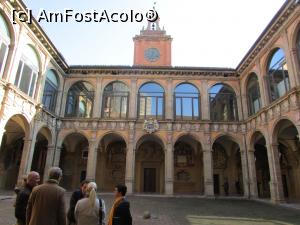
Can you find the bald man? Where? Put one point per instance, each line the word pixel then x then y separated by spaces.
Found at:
pixel 32 180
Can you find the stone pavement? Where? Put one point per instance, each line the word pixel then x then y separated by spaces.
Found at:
pixel 188 211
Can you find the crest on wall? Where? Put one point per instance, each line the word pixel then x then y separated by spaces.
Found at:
pixel 150 125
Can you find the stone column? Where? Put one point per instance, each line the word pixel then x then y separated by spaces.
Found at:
pixel 2 131
pixel 132 110
pixel 245 172
pixel 245 105
pixel 169 101
pixel 97 107
pixel 275 173
pixel 92 160
pixel 204 101
pixel 252 173
pixel 239 108
pixel 130 165
pixel 169 169
pixel 295 63
pixel 25 164
pixel 49 160
pixel 56 158
pixel 208 171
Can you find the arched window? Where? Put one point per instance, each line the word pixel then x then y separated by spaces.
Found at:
pixel 223 106
pixel 27 71
pixel 253 94
pixel 151 101
pixel 278 74
pixel 115 100
pixel 4 43
pixel 50 91
pixel 187 102
pixel 80 100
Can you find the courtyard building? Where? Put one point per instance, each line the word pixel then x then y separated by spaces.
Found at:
pixel 155 127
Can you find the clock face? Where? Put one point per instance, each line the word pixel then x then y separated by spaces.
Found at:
pixel 152 54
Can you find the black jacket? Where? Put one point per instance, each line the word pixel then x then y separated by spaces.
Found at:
pixel 21 204
pixel 76 196
pixel 122 214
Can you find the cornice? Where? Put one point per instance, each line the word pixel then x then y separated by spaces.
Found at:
pixel 41 35
pixel 122 70
pixel 276 23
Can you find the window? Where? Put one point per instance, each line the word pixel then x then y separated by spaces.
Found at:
pixel 4 43
pixel 223 106
pixel 50 91
pixel 27 71
pixel 151 101
pixel 115 100
pixel 80 100
pixel 278 75
pixel 187 102
pixel 253 95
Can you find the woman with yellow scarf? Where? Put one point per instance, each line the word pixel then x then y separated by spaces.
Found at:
pixel 120 211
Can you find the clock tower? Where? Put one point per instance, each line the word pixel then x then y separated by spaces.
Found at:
pixel 152 47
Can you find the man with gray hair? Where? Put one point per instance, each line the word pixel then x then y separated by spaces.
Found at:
pixel 32 180
pixel 46 204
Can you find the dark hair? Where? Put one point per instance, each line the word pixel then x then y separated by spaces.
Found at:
pixel 121 189
pixel 84 182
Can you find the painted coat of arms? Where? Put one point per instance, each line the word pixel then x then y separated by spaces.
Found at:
pixel 151 125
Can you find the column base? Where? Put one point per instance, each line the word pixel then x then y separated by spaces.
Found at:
pixel 129 184
pixel 169 188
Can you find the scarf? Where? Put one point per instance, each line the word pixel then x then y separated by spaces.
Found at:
pixel 112 210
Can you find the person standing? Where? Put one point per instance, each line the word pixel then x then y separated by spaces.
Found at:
pixel 90 210
pixel 76 196
pixel 32 180
pixel 46 205
pixel 120 211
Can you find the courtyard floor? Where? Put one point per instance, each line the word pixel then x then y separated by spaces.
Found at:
pixel 187 211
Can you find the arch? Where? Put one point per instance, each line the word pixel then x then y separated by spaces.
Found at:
pixel 108 82
pixel 150 81
pixel 253 94
pixel 151 101
pixel 227 166
pixel 5 42
pixel 46 132
pixel 150 164
pixel 115 100
pixel 229 136
pixel 62 135
pixel 193 136
pixel 157 137
pixel 227 84
pixel 81 93
pixel 277 125
pixel 277 73
pixel 51 88
pixel 223 103
pixel 73 159
pixel 28 70
pixel 255 134
pixel 187 101
pixel 115 133
pixel 188 165
pixel 11 150
pixel 111 160
pixel 25 122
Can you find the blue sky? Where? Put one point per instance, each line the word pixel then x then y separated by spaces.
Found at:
pixel 205 33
